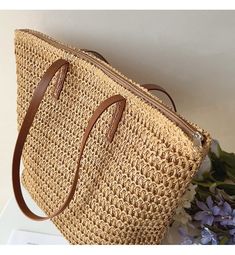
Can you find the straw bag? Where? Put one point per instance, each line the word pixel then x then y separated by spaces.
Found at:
pixel 105 159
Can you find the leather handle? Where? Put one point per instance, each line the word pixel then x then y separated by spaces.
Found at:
pixel 147 86
pixel 96 54
pixel 156 87
pixel 27 123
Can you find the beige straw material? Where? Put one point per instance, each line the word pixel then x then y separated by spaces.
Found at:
pixel 129 189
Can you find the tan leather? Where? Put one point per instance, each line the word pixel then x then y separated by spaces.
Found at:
pixel 159 88
pixel 96 54
pixel 27 123
pixel 60 81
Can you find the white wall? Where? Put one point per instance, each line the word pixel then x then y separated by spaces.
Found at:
pixel 190 53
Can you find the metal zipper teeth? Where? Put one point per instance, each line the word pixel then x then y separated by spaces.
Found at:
pixel 191 131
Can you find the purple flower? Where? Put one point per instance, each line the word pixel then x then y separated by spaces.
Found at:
pixel 226 215
pixel 186 238
pixel 208 237
pixel 232 233
pixel 208 211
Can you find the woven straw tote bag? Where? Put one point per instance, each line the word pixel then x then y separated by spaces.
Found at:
pixel 105 160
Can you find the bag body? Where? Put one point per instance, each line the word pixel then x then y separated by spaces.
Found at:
pixel 129 186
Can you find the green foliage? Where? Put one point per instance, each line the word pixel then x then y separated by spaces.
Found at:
pixel 218 183
pixel 221 176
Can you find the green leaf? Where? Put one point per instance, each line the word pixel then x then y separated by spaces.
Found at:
pixel 207 184
pixel 202 193
pixel 224 240
pixel 201 183
pixel 228 188
pixel 227 197
pixel 218 171
pixel 218 230
pixel 228 158
pixel 230 173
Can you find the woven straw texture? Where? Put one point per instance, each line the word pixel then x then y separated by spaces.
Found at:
pixel 128 189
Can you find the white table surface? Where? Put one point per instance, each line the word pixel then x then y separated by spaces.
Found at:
pixel 11 218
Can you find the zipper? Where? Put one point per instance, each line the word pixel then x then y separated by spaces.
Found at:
pixel 196 136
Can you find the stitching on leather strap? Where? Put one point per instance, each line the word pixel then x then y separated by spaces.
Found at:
pixel 60 81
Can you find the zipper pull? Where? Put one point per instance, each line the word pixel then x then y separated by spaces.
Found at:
pixel 197 139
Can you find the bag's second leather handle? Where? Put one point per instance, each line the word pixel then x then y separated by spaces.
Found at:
pixel 147 86
pixel 27 123
pixel 156 87
pixel 96 54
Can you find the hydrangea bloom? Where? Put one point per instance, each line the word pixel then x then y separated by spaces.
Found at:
pixel 208 237
pixel 226 215
pixel 186 237
pixel 232 233
pixel 208 211
pixel 212 219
